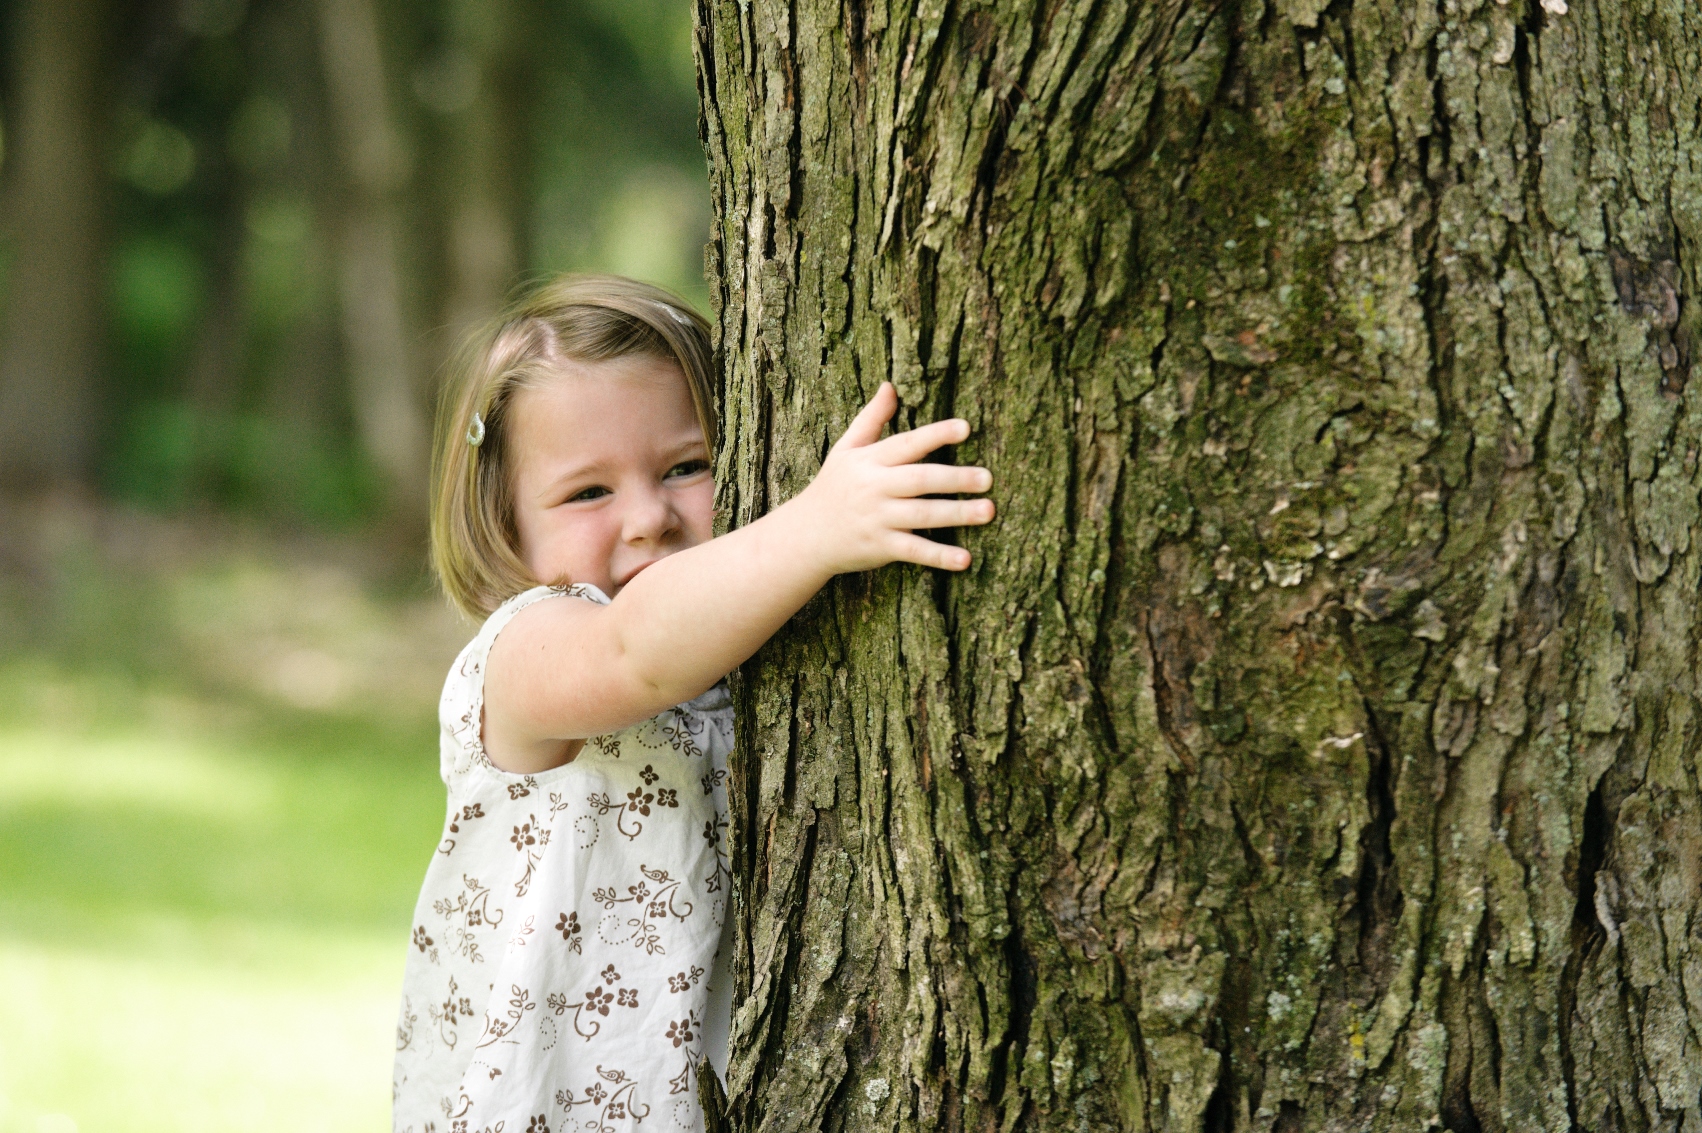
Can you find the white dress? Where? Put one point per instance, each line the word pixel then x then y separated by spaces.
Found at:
pixel 566 939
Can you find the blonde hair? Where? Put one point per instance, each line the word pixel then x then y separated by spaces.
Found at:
pixel 577 318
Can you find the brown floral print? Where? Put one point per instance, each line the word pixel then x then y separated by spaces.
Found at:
pixel 678 729
pixel 629 813
pixel 653 905
pixel 574 915
pixel 685 981
pixel 448 1014
pixel 597 1001
pixel 530 838
pixel 405 1026
pixel 468 814
pixel 570 931
pixel 680 1031
pixel 500 1028
pixel 613 1103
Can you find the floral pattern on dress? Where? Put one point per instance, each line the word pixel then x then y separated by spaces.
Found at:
pixel 562 955
pixel 611 1097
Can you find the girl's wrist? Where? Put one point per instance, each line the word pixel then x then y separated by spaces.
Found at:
pixel 802 538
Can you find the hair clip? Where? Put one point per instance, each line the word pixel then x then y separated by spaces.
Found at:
pixel 476 431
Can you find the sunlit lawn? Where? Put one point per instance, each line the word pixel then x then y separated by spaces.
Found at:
pixel 204 897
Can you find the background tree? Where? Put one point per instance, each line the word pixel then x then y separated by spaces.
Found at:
pixel 207 575
pixel 51 335
pixel 238 236
pixel 388 393
pixel 1314 743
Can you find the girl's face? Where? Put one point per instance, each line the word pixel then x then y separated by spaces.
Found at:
pixel 611 472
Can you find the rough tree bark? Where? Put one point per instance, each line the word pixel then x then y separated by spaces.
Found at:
pixel 1314 743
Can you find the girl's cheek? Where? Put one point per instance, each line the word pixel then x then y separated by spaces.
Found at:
pixel 702 508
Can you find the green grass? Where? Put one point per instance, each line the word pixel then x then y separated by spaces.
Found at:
pixel 205 890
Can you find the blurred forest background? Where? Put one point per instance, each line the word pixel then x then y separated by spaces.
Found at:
pixel 237 238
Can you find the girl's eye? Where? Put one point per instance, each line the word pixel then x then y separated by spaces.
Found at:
pixel 688 468
pixel 587 494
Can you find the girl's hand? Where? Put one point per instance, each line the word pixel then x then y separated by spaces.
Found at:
pixel 862 510
pixel 567 669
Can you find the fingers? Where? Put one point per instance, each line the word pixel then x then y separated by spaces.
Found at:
pixel 939 480
pixel 941 556
pixel 925 515
pixel 865 428
pixel 902 448
pixel 908 448
pixel 884 496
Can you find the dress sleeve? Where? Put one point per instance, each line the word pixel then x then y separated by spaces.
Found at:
pixel 461 709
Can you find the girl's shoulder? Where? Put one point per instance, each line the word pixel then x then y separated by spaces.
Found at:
pixel 700 726
pixel 460 709
pixel 504 613
pixel 479 648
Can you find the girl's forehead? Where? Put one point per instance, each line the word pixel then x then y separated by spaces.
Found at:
pixel 625 370
pixel 605 407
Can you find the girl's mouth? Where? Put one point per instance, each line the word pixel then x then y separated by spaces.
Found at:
pixel 633 573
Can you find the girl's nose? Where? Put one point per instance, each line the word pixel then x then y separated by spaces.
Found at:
pixel 649 518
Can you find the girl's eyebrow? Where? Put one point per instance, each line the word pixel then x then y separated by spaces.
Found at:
pixel 588 470
pixel 688 445
pixel 594 468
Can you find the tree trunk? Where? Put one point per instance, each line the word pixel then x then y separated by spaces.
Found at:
pixel 1313 744
pixel 298 372
pixel 389 396
pixel 53 332
pixel 486 161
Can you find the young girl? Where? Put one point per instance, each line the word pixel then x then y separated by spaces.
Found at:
pixel 564 971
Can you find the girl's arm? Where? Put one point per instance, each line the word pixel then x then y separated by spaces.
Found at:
pixel 562 671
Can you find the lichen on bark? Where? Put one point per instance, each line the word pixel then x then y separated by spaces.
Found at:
pixel 1313 744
